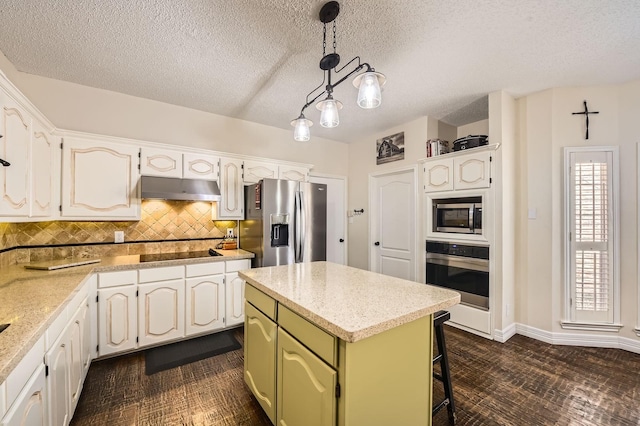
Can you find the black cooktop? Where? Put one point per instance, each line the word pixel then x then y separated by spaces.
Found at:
pixel 180 255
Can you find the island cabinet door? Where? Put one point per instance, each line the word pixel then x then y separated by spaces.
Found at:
pixel 260 358
pixel 117 320
pixel 306 386
pixel 160 312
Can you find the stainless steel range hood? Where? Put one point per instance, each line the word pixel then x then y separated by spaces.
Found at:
pixel 179 189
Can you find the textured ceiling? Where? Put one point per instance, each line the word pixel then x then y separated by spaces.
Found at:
pixel 258 59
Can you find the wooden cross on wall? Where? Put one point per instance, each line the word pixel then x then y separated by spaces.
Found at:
pixel 586 113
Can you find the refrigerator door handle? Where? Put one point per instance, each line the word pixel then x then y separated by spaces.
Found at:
pixel 296 237
pixel 303 226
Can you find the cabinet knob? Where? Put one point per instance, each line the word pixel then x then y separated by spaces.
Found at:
pixel 377 243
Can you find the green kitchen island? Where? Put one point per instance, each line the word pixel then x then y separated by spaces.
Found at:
pixel 327 344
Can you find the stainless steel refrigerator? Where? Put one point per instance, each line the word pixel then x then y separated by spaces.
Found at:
pixel 286 222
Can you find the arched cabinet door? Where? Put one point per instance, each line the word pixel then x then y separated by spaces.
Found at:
pixel 30 408
pixel 205 304
pixel 99 180
pixel 160 311
pixel 231 189
pixel 117 320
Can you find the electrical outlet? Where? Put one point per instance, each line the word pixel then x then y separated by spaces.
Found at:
pixel 118 237
pixel 230 232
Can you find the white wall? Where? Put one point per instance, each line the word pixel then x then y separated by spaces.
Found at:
pixel 546 125
pixel 477 128
pixel 363 153
pixel 75 107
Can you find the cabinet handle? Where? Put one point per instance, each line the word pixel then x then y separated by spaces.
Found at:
pixel 377 243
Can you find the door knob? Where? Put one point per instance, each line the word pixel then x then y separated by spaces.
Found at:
pixel 377 243
pixel 341 240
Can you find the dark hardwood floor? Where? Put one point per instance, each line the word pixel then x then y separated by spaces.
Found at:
pixel 521 382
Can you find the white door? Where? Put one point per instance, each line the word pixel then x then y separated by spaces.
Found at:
pixel 336 217
pixel 393 224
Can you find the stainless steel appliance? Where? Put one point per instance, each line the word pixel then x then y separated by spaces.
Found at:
pixel 458 215
pixel 459 267
pixel 285 222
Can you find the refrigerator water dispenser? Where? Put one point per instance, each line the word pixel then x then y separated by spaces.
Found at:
pixel 279 230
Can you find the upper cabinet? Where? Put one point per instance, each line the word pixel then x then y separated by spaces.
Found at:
pixel 300 174
pixel 231 189
pixel 99 180
pixel 256 170
pixel 471 170
pixel 176 164
pixel 27 145
pixel 15 128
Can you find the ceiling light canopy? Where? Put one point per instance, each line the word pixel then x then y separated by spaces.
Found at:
pixel 368 83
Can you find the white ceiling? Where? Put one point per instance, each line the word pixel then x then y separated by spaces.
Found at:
pixel 258 59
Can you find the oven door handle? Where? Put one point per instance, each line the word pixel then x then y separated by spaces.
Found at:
pixel 471 224
pixel 481 265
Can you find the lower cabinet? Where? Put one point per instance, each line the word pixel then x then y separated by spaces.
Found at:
pixel 30 407
pixel 117 320
pixel 58 380
pixel 234 299
pixel 306 385
pixel 205 304
pixel 160 312
pixel 260 358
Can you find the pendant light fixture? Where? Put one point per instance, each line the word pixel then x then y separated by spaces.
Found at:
pixel 368 83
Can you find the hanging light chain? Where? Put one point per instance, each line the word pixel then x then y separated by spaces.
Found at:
pixel 334 36
pixel 324 40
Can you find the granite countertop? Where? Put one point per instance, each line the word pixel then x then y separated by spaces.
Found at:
pixel 31 299
pixel 350 303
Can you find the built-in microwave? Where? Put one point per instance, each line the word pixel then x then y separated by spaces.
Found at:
pixel 458 215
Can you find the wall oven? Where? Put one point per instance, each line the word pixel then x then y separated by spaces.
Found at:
pixel 458 215
pixel 459 267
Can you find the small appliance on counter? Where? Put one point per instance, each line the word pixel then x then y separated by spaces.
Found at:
pixel 471 141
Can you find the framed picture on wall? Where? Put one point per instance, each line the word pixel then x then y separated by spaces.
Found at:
pixel 390 148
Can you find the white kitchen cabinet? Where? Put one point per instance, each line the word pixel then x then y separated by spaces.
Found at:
pixel 79 353
pixel 15 127
pixel 160 312
pixel 300 174
pixel 234 299
pixel 472 171
pixel 205 307
pixel 57 360
pixel 438 175
pixel 160 162
pixel 29 409
pixel 254 171
pixel 231 206
pixel 200 166
pixel 117 319
pixel 43 144
pixel 99 180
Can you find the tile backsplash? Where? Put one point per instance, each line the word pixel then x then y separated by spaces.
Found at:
pixel 161 222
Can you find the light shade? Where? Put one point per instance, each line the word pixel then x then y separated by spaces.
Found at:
pixel 369 93
pixel 329 112
pixel 301 131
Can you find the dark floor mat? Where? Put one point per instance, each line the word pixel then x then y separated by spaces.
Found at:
pixel 180 353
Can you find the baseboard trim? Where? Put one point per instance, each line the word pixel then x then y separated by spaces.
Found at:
pixel 570 339
pixel 505 334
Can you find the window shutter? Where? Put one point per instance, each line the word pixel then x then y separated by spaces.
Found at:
pixel 591 248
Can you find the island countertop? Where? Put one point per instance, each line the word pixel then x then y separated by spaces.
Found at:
pixel 350 303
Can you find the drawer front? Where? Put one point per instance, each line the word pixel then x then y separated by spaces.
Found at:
pixel 319 341
pixel 161 274
pixel 238 265
pixel 114 279
pixel 202 269
pixel 260 300
pixel 56 328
